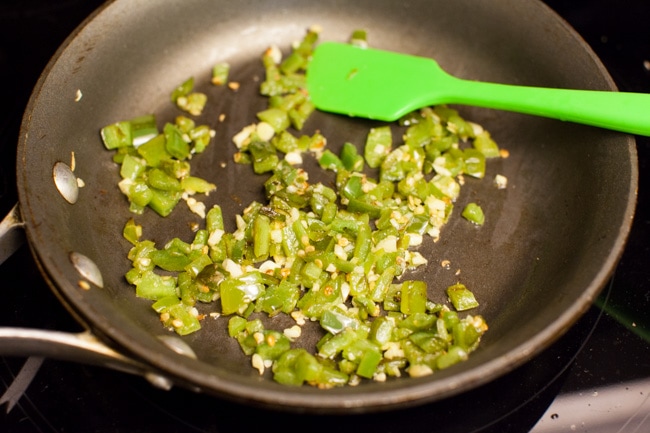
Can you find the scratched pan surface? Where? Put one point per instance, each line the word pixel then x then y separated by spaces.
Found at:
pixel 549 244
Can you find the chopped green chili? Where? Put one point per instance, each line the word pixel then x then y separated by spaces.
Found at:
pixel 334 254
pixel 220 73
pixel 154 166
pixel 378 145
pixel 461 297
pixel 474 213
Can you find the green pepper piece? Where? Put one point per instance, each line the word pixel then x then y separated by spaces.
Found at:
pixel 363 243
pixel 285 142
pixel 220 73
pixel 193 102
pixel 132 231
pixel 350 158
pixel 420 134
pixel 160 180
pixel 285 371
pixel 335 321
pixel 474 163
pixel 197 265
pixel 447 185
pixel 369 362
pixel 353 188
pixel 279 298
pixel 261 236
pixel 163 202
pixel 170 260
pixel 192 184
pixel 286 102
pixel 454 355
pixel 428 341
pixel 153 286
pixel 121 152
pixel 418 357
pixel 329 161
pixel 132 167
pixel 450 163
pixel 183 89
pixel 378 145
pixel 200 137
pixel 315 302
pixel 277 118
pixel 381 330
pixel 143 129
pixel 321 197
pixel 473 213
pixel 461 297
pixel 450 319
pixel 139 255
pixel 175 168
pixel 359 37
pixel 418 321
pixel 310 273
pixel 486 145
pixel 265 158
pixel 466 335
pixel 292 63
pixel 139 194
pixel 163 304
pixel 236 324
pixel 362 206
pixel 175 144
pixel 383 283
pixel 177 245
pixel 273 345
pixel 154 151
pixel 414 297
pixel 233 298
pixel 401 161
pixel 184 123
pixel 214 219
pixel 335 345
pixel 299 114
pixel 117 135
pixel 458 126
pixel 182 320
pixel 297 366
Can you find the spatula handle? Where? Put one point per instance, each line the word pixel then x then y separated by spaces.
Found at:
pixel 621 111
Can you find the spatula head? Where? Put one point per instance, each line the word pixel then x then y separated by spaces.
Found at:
pixel 370 83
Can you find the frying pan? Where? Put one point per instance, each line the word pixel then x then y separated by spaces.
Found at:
pixel 550 241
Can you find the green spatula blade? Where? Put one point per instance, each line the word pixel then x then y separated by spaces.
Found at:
pixel 363 82
pixel 384 85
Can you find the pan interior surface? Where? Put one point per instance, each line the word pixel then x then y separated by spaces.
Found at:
pixel 550 241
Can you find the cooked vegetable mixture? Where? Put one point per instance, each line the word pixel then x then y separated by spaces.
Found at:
pixel 337 254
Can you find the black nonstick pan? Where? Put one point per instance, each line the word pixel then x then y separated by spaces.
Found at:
pixel 550 242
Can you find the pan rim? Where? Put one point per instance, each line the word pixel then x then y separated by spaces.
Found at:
pixel 441 388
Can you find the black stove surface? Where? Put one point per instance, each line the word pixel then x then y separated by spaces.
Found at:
pixel 596 378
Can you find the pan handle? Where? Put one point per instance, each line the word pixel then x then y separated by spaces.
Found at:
pixel 81 347
pixel 12 235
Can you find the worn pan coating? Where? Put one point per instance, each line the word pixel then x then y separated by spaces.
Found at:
pixel 550 241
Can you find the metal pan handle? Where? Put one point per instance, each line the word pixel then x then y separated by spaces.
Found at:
pixel 82 347
pixel 12 235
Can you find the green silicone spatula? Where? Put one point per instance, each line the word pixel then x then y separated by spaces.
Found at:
pixel 384 85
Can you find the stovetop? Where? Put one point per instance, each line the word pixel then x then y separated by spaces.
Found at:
pixel 596 378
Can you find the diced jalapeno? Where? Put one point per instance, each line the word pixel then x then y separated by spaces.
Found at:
pixel 220 73
pixel 332 253
pixel 461 297
pixel 474 213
